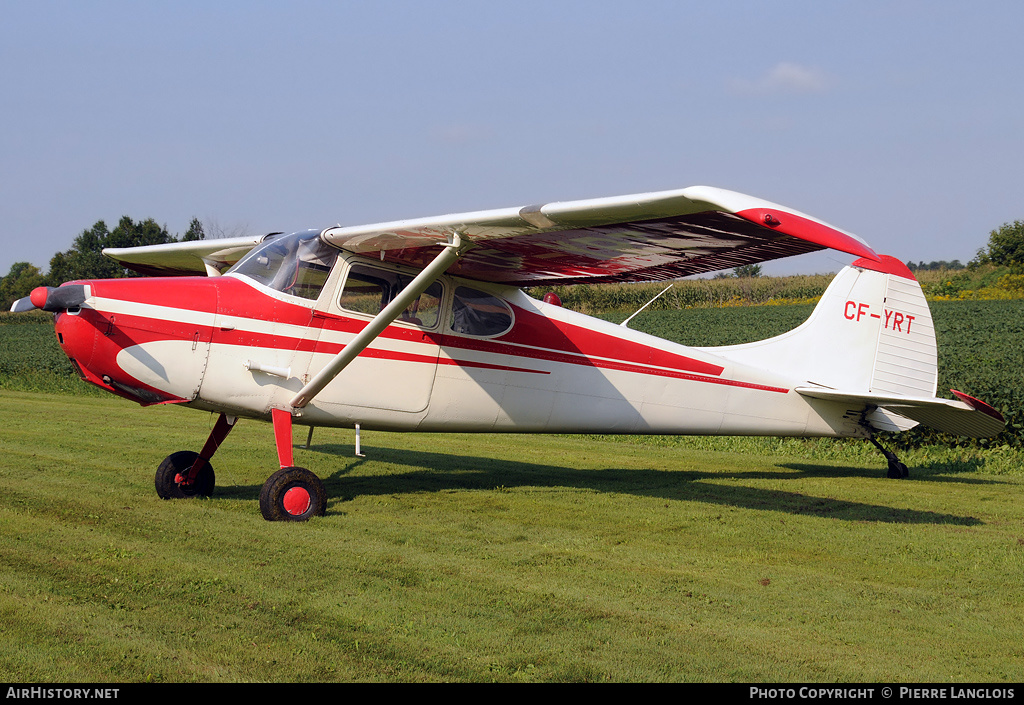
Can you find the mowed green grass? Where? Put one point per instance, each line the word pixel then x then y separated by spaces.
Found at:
pixel 483 557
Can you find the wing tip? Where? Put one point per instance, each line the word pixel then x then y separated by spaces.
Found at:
pixel 808 229
pixel 782 219
pixel 886 265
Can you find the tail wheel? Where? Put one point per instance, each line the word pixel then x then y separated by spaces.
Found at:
pixel 897 470
pixel 178 464
pixel 293 494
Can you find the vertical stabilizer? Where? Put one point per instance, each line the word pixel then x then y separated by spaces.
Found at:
pixel 871 332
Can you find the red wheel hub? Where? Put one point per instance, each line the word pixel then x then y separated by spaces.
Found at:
pixel 296 501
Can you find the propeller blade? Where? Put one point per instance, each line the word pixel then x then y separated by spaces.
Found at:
pixel 23 304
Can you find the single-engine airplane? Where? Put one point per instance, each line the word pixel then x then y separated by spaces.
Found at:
pixel 420 325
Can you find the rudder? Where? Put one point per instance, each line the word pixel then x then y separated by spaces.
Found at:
pixel 906 360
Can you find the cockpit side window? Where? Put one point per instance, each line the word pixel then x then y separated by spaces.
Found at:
pixel 476 312
pixel 368 290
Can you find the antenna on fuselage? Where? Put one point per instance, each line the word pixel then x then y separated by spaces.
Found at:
pixel 623 324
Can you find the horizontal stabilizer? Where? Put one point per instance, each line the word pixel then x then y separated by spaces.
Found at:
pixel 964 416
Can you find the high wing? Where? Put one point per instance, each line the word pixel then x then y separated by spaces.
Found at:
pixel 184 258
pixel 641 237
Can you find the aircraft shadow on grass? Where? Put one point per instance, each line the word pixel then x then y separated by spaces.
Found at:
pixel 436 472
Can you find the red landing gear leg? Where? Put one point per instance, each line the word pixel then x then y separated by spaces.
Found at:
pixel 189 474
pixel 291 493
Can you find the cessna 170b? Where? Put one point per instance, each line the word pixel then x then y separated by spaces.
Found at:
pixel 419 325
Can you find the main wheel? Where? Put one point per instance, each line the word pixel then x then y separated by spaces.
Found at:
pixel 179 464
pixel 293 494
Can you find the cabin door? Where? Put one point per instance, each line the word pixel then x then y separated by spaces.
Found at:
pixel 396 372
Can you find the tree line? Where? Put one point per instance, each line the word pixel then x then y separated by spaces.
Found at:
pixel 934 265
pixel 85 259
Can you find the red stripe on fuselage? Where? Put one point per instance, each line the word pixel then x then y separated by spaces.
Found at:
pixel 533 336
pixel 551 339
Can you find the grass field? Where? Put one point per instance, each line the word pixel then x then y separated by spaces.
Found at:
pixel 508 558
pixel 514 558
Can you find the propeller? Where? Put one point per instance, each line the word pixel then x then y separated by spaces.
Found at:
pixel 52 298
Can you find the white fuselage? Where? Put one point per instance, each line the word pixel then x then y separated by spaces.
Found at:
pixel 238 347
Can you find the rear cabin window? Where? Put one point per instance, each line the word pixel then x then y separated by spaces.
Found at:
pixel 475 312
pixel 368 290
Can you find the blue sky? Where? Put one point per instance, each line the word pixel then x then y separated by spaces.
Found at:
pixel 898 121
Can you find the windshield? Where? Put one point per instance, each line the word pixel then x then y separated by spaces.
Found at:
pixel 296 264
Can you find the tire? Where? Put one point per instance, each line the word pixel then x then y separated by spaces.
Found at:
pixel 293 494
pixel 897 470
pixel 178 463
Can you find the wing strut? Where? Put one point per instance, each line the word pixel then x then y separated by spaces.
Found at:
pixel 382 320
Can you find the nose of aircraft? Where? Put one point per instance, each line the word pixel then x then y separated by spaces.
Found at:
pixel 80 336
pixel 108 346
pixel 88 338
pixel 83 334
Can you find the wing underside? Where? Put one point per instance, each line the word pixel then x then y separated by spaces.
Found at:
pixel 184 258
pixel 652 250
pixel 641 237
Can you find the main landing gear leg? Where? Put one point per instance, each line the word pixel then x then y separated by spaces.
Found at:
pixel 897 470
pixel 189 474
pixel 291 493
